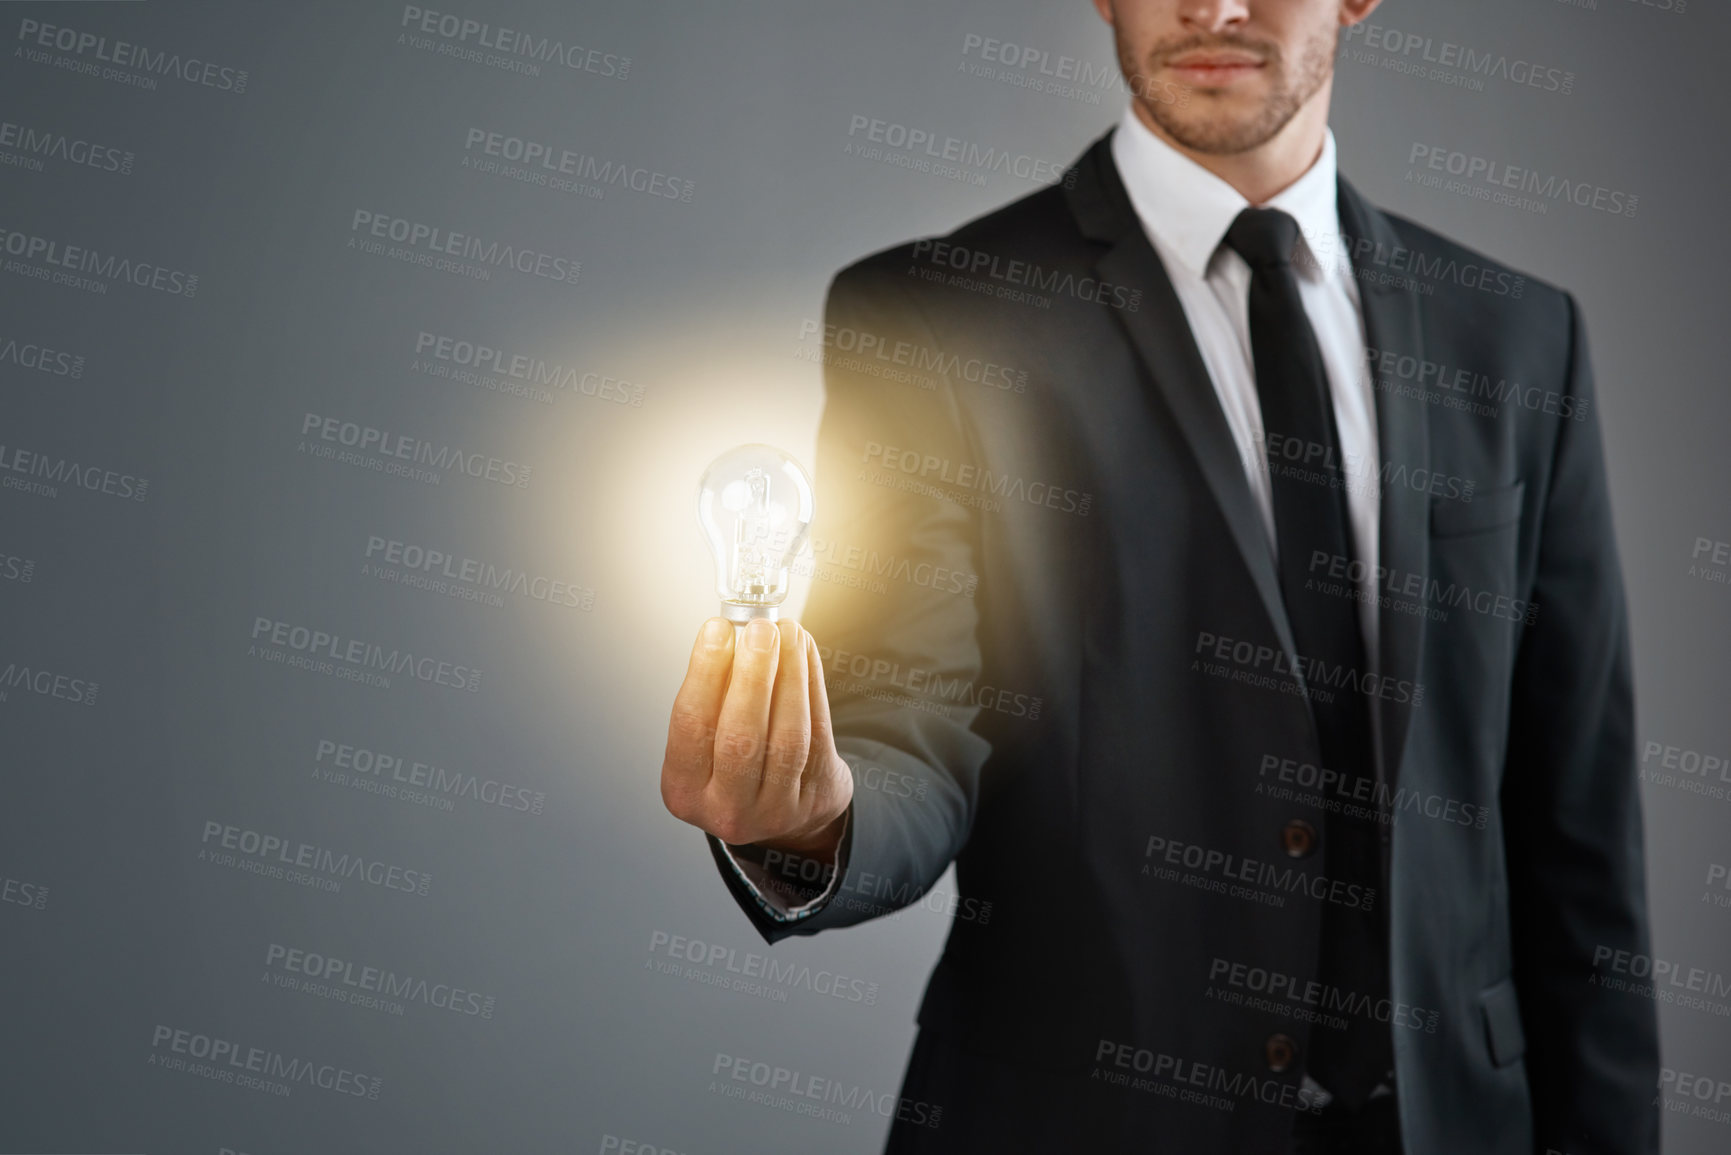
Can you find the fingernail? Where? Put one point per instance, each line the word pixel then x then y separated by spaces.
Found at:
pixel 716 632
pixel 760 635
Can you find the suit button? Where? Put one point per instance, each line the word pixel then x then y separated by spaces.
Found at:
pixel 1280 1051
pixel 1298 837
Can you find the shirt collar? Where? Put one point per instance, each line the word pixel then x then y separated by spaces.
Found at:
pixel 1188 209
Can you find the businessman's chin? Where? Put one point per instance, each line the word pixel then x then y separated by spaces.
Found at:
pixel 1222 123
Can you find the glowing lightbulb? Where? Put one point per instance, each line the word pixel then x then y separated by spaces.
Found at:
pixel 755 506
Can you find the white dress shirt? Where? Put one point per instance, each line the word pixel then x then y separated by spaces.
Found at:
pixel 1186 210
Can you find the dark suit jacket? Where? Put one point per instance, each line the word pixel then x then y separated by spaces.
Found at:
pixel 1103 734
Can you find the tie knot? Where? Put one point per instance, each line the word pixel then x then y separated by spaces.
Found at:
pixel 1263 237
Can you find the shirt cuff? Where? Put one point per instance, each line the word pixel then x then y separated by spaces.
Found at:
pixel 780 899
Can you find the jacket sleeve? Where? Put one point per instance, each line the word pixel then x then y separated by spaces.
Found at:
pixel 1573 814
pixel 893 623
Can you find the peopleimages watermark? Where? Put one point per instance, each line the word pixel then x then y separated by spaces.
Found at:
pixel 465 578
pixel 1309 1000
pixel 1674 7
pixel 1190 1081
pixel 1057 74
pixel 515 372
pixel 979 485
pixel 1407 269
pixel 1710 561
pixel 853 566
pixel 1339 575
pixel 401 454
pixel 254 1068
pixel 1318 463
pixel 928 684
pixel 617 1145
pixel 537 162
pixel 1360 796
pixel 27 354
pixel 42 474
pixel 1262 882
pixel 748 972
pixel 1014 279
pixel 27 147
pixel 1244 661
pixel 1448 62
pixel 430 783
pixel 1687 1093
pixel 14 568
pixel 86 269
pixel 352 659
pixel 896 359
pixel 509 49
pixel 1512 185
pixel 20 892
pixel 342 980
pixel 1662 980
pixel 864 567
pixel 1457 387
pixel 442 249
pixel 1691 771
pixel 812 1096
pixel 120 60
pixel 1718 879
pixel 303 863
pixel 795 878
pixel 868 775
pixel 22 677
pixel 929 151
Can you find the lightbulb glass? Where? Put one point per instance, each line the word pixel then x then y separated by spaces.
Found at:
pixel 755 506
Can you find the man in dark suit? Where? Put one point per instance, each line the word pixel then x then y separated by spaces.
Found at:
pixel 1247 629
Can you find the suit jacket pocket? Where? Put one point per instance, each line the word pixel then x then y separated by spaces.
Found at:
pixel 1489 509
pixel 1503 1032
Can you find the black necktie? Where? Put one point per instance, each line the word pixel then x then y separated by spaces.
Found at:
pixel 1309 482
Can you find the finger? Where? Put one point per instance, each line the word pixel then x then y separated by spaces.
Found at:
pixel 744 719
pixel 822 730
pixel 789 730
pixel 685 769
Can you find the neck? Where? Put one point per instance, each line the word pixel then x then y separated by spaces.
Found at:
pixel 1261 173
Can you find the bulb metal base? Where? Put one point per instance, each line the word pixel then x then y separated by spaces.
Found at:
pixel 739 612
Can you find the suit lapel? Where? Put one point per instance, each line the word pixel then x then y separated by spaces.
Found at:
pixel 1160 334
pixel 1392 321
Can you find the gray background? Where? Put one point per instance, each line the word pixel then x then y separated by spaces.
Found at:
pixel 699 305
